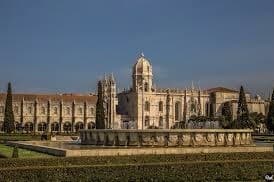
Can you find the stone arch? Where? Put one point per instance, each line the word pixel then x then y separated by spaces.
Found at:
pixel 17 126
pixel 54 126
pixel 42 126
pixel 28 127
pixel 147 121
pixel 91 125
pixel 79 125
pixel 67 127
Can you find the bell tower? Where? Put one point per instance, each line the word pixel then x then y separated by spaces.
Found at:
pixel 142 76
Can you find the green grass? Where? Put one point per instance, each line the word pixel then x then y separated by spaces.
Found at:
pixel 23 153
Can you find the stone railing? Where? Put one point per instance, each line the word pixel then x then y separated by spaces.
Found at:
pixel 179 138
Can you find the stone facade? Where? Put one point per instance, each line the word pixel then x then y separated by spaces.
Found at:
pixel 145 106
pixel 57 113
pixel 140 107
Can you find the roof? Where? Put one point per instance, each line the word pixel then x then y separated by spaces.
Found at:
pixel 221 89
pixel 53 97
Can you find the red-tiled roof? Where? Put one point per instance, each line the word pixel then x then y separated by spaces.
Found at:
pixel 53 97
pixel 221 89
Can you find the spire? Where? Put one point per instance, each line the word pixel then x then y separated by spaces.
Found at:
pixel 192 85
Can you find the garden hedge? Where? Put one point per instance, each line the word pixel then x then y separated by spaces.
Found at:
pixel 185 171
pixel 138 159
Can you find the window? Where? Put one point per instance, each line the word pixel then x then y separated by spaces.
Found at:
pixel 147 121
pixel 55 110
pixel 161 106
pixel 67 127
pixel 43 110
pixel 147 68
pixel 146 87
pixel 147 106
pixel 67 110
pixel 28 127
pixel 177 111
pixel 42 126
pixel 1 109
pixel 17 126
pixel 92 110
pixel 79 126
pixel 80 110
pixel 161 121
pixel 29 110
pixel 16 110
pixel 91 125
pixel 55 126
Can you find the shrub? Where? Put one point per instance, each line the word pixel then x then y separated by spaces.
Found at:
pixel 15 152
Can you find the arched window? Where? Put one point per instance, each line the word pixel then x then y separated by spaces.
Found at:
pixel 55 127
pixel 28 127
pixel 91 125
pixel 17 126
pixel 80 110
pixel 161 121
pixel 177 111
pixel 43 110
pixel 147 106
pixel 92 110
pixel 146 87
pixel 42 126
pixel 55 110
pixel 79 126
pixel 29 110
pixel 67 127
pixel 68 111
pixel 147 121
pixel 161 106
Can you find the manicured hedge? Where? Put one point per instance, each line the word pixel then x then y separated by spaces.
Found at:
pixel 191 171
pixel 139 159
pixel 18 137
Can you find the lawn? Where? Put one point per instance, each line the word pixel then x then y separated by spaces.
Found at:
pixel 23 153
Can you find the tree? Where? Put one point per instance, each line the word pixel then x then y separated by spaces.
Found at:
pixel 270 115
pixel 242 112
pixel 100 113
pixel 9 116
pixel 227 111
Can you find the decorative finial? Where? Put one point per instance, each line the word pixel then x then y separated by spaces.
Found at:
pixel 142 54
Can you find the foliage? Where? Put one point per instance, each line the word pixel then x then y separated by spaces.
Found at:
pixel 100 113
pixel 256 119
pixel 227 111
pixel 9 116
pixel 179 171
pixel 242 112
pixel 15 152
pixel 135 159
pixel 18 137
pixel 270 115
pixel 178 125
pixel 199 118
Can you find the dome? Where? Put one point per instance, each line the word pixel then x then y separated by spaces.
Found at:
pixel 142 66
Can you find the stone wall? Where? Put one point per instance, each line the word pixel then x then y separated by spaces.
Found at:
pixel 178 138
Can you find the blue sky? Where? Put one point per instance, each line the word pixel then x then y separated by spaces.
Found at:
pixel 66 45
